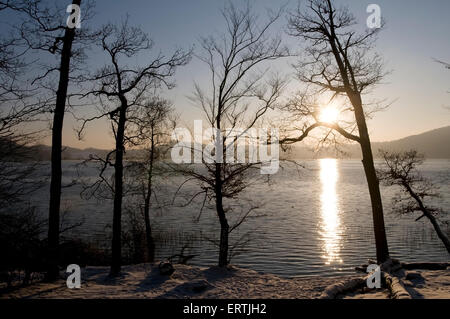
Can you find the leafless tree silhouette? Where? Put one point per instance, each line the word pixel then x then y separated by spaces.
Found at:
pixel 42 31
pixel 337 61
pixel 121 89
pixel 401 169
pixel 17 109
pixel 238 98
pixel 20 225
pixel 153 127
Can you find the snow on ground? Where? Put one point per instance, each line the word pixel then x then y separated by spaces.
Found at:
pixel 429 284
pixel 144 281
pixel 420 284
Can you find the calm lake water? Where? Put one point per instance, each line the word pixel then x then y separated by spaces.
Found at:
pixel 314 220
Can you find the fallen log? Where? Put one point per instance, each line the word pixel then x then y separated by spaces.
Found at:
pixel 393 283
pixel 343 287
pixel 396 287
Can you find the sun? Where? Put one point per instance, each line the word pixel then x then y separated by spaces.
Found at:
pixel 329 114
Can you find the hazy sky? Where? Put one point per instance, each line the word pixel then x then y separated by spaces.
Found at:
pixel 416 32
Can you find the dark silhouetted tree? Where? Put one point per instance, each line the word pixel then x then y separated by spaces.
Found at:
pixel 338 61
pixel 401 169
pixel 20 225
pixel 237 100
pixel 153 128
pixel 43 30
pixel 121 89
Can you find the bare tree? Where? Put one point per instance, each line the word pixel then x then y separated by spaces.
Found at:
pixel 42 30
pixel 18 107
pixel 338 61
pixel 401 169
pixel 238 98
pixel 20 227
pixel 153 124
pixel 121 89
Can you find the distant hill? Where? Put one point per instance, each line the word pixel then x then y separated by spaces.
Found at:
pixel 43 153
pixel 434 144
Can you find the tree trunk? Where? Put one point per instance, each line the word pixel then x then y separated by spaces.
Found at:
pixel 56 170
pixel 148 229
pixel 149 237
pixel 224 233
pixel 116 261
pixel 428 215
pixel 369 168
pixel 396 287
pixel 382 249
pixel 439 232
pixel 224 227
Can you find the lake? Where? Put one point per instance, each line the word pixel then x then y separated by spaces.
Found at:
pixel 314 220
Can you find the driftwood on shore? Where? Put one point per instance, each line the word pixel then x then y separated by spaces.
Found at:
pixel 393 284
pixel 332 291
pixel 388 270
pixel 396 287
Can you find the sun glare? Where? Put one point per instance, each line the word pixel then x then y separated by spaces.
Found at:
pixel 329 114
pixel 331 229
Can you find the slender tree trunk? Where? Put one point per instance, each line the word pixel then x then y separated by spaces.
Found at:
pixel 224 227
pixel 116 261
pixel 369 167
pixel 382 249
pixel 439 232
pixel 56 170
pixel 148 228
pixel 429 215
pixel 224 233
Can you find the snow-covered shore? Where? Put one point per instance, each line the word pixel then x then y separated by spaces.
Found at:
pixel 144 281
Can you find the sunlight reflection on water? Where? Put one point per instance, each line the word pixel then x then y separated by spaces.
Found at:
pixel 315 221
pixel 330 227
